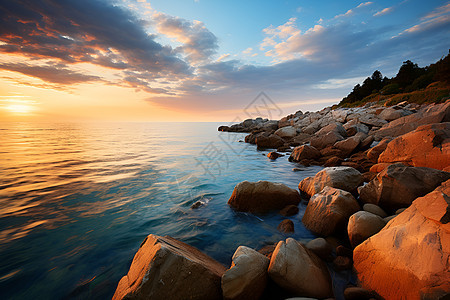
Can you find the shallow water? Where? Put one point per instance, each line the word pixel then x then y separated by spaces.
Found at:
pixel 76 200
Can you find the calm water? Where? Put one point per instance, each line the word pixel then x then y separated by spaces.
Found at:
pixel 76 200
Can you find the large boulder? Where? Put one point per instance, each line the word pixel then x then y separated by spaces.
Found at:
pixel 262 196
pixel 328 139
pixel 298 270
pixel 436 113
pixel 328 211
pixel 271 141
pixel 363 225
pixel 427 146
pixel 286 132
pixel 398 186
pixel 247 277
pixel 413 248
pixel 348 145
pixel 165 268
pixel 304 152
pixel 344 178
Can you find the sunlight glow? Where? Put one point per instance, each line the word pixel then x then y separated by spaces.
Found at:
pixel 19 108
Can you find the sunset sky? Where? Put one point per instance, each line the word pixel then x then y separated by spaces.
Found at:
pixel 202 60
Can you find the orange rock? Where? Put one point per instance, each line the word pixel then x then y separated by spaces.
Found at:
pixel 262 196
pixel 427 146
pixel 377 168
pixel 413 249
pixel 165 268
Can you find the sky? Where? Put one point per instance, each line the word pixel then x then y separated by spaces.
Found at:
pixel 203 60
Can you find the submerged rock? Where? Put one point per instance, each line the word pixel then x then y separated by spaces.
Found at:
pixel 247 277
pixel 414 249
pixel 286 226
pixel 274 155
pixel 262 196
pixel 298 270
pixel 165 268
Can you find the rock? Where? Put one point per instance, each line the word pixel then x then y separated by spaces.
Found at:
pixel 165 268
pixel 320 247
pixel 336 127
pixel 274 155
pixel 413 249
pixel 375 152
pixel 286 226
pixel 247 277
pixel 357 293
pixel 339 115
pixel 289 210
pixel 354 129
pixel 368 176
pixel 197 204
pixel 328 211
pixel 348 145
pixel 391 114
pixel 331 151
pixel 372 120
pixel 304 152
pixel 377 168
pixel 272 141
pixel 342 263
pixel 333 162
pixel 300 271
pixel 399 211
pixel 387 219
pixel 286 132
pixel 223 128
pixel 398 185
pixel 270 125
pixel 366 143
pixel 375 209
pixel 262 196
pixel 363 225
pixel 427 146
pixel 344 178
pixel 301 138
pixel 251 138
pixel 320 142
pixel 428 115
pixel 247 123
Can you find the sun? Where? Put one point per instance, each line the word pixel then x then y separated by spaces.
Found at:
pixel 19 108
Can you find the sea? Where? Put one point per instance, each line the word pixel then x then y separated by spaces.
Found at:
pixel 77 200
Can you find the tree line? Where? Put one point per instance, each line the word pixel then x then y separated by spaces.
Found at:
pixel 410 77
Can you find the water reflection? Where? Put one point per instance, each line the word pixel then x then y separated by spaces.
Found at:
pixel 76 200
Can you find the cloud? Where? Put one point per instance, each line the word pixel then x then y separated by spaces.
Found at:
pixel 198 43
pixel 440 11
pixel 351 12
pixel 364 4
pixel 383 12
pixel 50 73
pixel 89 31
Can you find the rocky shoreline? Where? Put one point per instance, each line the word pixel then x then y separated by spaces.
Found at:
pixel 381 207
